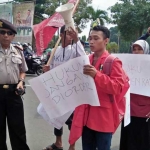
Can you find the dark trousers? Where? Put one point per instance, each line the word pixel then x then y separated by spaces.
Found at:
pixel 135 136
pixel 93 139
pixel 58 132
pixel 11 111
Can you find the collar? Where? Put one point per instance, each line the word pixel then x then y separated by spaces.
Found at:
pixel 2 50
pixel 104 55
pixel 10 50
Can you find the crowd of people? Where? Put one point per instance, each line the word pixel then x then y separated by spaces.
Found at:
pixel 95 124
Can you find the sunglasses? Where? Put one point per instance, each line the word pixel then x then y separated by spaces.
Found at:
pixel 8 32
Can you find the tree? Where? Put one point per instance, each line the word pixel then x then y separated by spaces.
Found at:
pixel 132 17
pixel 115 36
pixel 100 14
pixel 112 47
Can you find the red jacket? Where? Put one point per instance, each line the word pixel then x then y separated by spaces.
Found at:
pixel 99 118
pixel 140 105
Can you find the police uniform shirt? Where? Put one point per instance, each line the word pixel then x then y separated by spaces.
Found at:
pixel 71 51
pixel 12 63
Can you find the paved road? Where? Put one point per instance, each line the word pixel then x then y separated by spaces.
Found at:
pixel 39 132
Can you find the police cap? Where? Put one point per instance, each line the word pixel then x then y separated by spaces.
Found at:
pixel 7 25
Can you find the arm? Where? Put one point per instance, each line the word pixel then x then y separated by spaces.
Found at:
pixel 145 36
pixel 21 80
pixel 47 67
pixel 23 69
pixel 77 46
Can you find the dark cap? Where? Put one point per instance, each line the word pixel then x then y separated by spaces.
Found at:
pixel 7 25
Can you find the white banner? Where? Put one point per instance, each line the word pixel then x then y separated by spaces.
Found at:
pixel 65 87
pixel 137 67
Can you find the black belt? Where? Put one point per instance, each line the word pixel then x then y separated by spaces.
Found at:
pixel 8 86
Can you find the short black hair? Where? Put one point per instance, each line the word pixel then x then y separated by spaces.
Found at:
pixel 62 29
pixel 105 30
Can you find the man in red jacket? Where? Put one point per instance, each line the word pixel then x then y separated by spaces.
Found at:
pixel 98 122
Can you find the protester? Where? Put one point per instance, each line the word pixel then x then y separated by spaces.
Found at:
pixel 143 37
pixel 64 53
pixel 12 75
pixel 96 124
pixel 136 136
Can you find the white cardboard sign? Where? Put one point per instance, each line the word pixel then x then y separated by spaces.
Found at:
pixel 65 87
pixel 137 67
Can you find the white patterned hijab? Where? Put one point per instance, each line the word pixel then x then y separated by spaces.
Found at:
pixel 143 44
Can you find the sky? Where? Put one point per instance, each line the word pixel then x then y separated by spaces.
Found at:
pixel 97 4
pixel 1 1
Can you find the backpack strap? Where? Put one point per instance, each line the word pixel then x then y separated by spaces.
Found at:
pixel 107 66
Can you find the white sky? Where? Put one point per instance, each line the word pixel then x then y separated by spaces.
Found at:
pixel 97 4
pixel 1 1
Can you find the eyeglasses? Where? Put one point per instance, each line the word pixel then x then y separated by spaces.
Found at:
pixel 3 32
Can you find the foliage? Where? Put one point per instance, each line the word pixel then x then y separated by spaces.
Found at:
pixel 97 14
pixel 115 36
pixel 112 47
pixel 132 17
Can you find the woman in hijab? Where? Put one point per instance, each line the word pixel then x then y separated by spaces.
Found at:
pixel 136 136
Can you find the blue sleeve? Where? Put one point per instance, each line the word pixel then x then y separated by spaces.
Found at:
pixel 144 37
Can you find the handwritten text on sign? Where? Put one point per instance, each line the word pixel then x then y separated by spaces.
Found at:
pixel 137 68
pixel 65 87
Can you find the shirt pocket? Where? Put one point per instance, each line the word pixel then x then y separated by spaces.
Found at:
pixel 16 63
pixel 16 60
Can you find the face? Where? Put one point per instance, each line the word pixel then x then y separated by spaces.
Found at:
pixel 6 36
pixel 68 39
pixel 97 41
pixel 137 50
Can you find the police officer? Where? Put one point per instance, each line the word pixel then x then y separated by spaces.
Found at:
pixel 12 74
